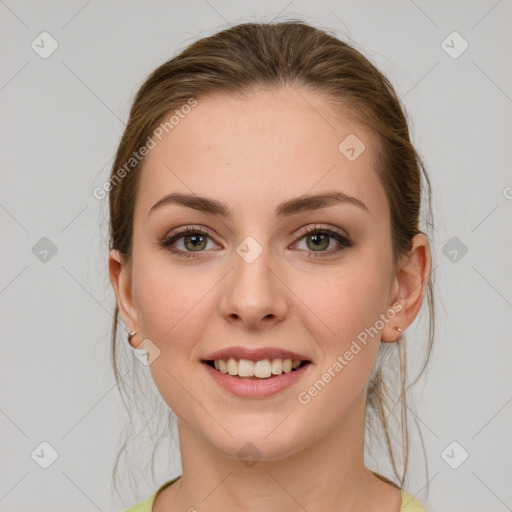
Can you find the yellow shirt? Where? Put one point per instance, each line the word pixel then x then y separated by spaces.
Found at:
pixel 409 503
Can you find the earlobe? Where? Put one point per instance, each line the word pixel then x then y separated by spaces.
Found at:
pixel 391 334
pixel 120 278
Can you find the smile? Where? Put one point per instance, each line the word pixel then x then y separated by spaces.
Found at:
pixel 262 369
pixel 255 379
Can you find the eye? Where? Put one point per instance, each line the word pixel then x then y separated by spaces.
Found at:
pixel 190 240
pixel 318 239
pixel 186 241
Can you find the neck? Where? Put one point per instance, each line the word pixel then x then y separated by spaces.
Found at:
pixel 328 474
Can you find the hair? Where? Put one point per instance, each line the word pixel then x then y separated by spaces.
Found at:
pixel 250 56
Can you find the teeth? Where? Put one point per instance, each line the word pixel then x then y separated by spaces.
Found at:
pixel 232 366
pixel 246 368
pixel 261 369
pixel 277 366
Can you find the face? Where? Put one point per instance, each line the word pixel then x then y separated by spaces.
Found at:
pixel 305 277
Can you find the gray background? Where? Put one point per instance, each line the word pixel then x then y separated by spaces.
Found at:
pixel 62 118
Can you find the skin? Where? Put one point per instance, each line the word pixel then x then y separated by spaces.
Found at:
pixel 252 154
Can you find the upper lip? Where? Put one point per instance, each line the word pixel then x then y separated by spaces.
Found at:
pixel 257 354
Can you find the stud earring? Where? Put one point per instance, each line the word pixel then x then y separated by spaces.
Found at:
pixel 399 329
pixel 131 335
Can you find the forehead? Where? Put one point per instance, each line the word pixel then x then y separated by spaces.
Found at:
pixel 257 151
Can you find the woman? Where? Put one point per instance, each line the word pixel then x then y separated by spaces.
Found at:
pixel 265 251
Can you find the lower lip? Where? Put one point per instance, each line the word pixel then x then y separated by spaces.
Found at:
pixel 247 387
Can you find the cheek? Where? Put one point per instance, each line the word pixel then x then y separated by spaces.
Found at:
pixel 345 300
pixel 168 300
pixel 172 305
pixel 341 312
pixel 341 315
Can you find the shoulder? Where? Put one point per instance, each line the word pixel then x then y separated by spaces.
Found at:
pixel 410 503
pixel 143 506
pixel 147 505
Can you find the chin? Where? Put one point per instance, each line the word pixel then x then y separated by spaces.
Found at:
pixel 251 445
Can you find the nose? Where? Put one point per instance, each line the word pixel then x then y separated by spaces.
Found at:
pixel 253 294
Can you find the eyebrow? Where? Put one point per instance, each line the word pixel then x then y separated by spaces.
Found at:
pixel 285 209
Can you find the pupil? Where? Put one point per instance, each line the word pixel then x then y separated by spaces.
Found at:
pixel 318 239
pixel 196 241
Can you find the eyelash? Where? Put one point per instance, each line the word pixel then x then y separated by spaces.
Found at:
pixel 167 242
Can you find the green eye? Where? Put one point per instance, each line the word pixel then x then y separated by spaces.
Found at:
pixel 195 240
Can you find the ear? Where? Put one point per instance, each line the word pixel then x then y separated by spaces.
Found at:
pixel 120 278
pixel 408 287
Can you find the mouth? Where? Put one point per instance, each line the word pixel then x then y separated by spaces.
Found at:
pixel 255 370
pixel 256 379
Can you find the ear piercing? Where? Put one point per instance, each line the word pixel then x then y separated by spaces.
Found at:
pixel 399 329
pixel 131 335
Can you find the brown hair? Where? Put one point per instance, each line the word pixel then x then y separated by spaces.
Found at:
pixel 292 54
